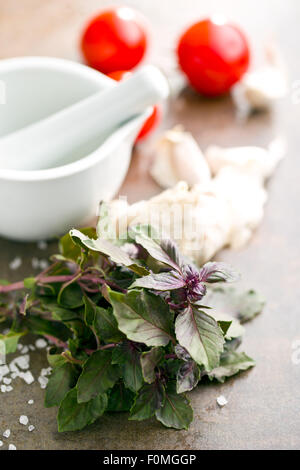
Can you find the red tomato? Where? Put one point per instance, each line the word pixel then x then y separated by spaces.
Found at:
pixel 213 56
pixel 153 120
pixel 114 40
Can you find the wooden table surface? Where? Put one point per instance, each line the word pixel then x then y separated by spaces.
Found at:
pixel 263 410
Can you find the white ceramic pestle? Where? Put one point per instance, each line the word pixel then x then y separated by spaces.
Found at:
pixel 74 132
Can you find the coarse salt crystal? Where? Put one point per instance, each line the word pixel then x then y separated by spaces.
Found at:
pixel 27 377
pixel 1 443
pixel 24 350
pixel 7 381
pixel 44 264
pixel 41 343
pixel 6 433
pixel 23 420
pixel 222 401
pixel 3 388
pixel 35 263
pixel 31 428
pixel 12 447
pixel 4 370
pixel 30 402
pixel 42 245
pixel 43 381
pixel 15 263
pixel 9 388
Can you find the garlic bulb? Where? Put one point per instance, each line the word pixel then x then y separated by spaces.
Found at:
pixel 258 89
pixel 221 211
pixel 178 157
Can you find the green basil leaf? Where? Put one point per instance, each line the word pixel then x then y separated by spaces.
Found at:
pixel 62 379
pixel 149 399
pixel 201 336
pixel 149 361
pixel 128 357
pixel 107 248
pixel 73 416
pixel 106 326
pixel 142 317
pixel 231 363
pixel 176 411
pixel 120 398
pixel 11 341
pixel 243 305
pixel 98 375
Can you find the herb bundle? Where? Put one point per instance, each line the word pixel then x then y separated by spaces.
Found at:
pixel 134 325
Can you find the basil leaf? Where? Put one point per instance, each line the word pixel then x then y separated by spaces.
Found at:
pixel 98 375
pixel 243 305
pixel 162 281
pixel 106 326
pixel 142 317
pixel 163 250
pixel 176 411
pixel 231 363
pixel 120 398
pixel 188 376
pixel 69 249
pixel 70 296
pixel 107 248
pixel 62 379
pixel 149 361
pixel 73 416
pixel 200 335
pixel 42 326
pixel 149 399
pixel 218 272
pixel 128 357
pixel 11 341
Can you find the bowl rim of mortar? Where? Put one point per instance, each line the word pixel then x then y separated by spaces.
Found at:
pixel 92 158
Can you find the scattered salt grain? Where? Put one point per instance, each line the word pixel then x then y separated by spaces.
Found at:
pixel 35 263
pixel 42 245
pixel 43 264
pixel 30 402
pixel 1 443
pixel 14 375
pixel 222 401
pixel 12 447
pixel 45 372
pixel 27 377
pixel 6 433
pixel 31 347
pixel 6 381
pixel 23 420
pixel 21 361
pixel 31 428
pixel 9 388
pixel 40 343
pixel 3 388
pixel 24 350
pixel 15 263
pixel 4 370
pixel 43 381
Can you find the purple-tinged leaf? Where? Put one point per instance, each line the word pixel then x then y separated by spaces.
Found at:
pixel 188 377
pixel 163 250
pixel 149 361
pixel 201 336
pixel 163 281
pixel 182 353
pixel 150 398
pixel 217 272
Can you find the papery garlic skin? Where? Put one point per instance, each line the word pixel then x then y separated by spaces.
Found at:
pixel 177 157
